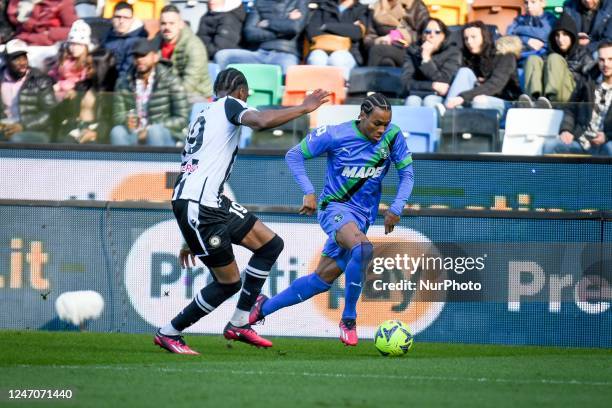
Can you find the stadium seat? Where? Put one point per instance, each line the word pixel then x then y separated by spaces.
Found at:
pixel 452 12
pixel 280 137
pixel 386 80
pixel 100 27
pixel 302 79
pixel 528 129
pixel 143 9
pixel 334 114
pixel 195 109
pixel 419 126
pixel 496 12
pixel 213 71
pixel 470 131
pixel 191 11
pixel 555 7
pixel 265 83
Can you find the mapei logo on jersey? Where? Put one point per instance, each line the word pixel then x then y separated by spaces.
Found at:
pixel 362 172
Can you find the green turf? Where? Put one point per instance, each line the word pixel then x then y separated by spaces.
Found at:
pixel 120 370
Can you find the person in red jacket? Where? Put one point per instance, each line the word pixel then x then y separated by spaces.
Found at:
pixel 43 22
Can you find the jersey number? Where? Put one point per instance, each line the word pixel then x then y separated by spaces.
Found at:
pixel 196 135
pixel 237 209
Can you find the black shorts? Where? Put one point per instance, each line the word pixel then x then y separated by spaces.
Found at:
pixel 210 232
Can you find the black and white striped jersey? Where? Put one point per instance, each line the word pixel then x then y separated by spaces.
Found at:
pixel 210 150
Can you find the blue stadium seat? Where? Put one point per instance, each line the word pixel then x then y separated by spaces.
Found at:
pixel 213 71
pixel 419 126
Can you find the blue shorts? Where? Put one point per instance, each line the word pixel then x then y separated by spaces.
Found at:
pixel 334 217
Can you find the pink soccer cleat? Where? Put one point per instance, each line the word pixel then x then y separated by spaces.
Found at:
pixel 246 335
pixel 348 332
pixel 174 344
pixel 255 316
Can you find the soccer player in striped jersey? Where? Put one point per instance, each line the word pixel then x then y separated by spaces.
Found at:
pixel 211 223
pixel 359 154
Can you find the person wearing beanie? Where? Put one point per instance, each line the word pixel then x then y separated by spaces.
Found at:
pixel 74 63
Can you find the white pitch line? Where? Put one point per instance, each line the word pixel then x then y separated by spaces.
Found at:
pixel 327 375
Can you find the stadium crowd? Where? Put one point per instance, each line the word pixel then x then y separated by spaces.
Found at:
pixel 85 71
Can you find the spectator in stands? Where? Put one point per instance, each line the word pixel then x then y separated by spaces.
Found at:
pixel 41 22
pixel 568 63
pixel 126 31
pixel 587 121
pixel 274 27
pixel 74 63
pixel 84 79
pixel 430 65
pixel 488 78
pixel 221 27
pixel 7 31
pixel 150 104
pixel 392 28
pixel 533 29
pixel 593 19
pixel 186 52
pixel 27 98
pixel 336 30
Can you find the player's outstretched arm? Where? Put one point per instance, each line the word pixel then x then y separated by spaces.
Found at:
pixel 272 118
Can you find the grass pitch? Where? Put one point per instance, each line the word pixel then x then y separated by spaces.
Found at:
pixel 120 370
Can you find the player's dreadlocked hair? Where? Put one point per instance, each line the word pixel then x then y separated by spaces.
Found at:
pixel 228 81
pixel 375 100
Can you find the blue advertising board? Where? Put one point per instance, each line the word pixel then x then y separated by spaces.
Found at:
pixel 539 274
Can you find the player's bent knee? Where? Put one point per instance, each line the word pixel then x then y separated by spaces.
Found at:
pixel 268 253
pixel 363 251
pixel 230 289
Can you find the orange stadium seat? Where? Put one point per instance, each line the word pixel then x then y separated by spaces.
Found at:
pixel 302 79
pixel 452 12
pixel 143 9
pixel 496 12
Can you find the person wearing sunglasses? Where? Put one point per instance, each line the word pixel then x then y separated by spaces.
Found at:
pixel 430 65
pixel 392 27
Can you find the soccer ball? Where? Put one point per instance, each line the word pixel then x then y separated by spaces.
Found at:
pixel 393 338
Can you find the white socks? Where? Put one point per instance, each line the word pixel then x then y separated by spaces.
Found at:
pixel 169 330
